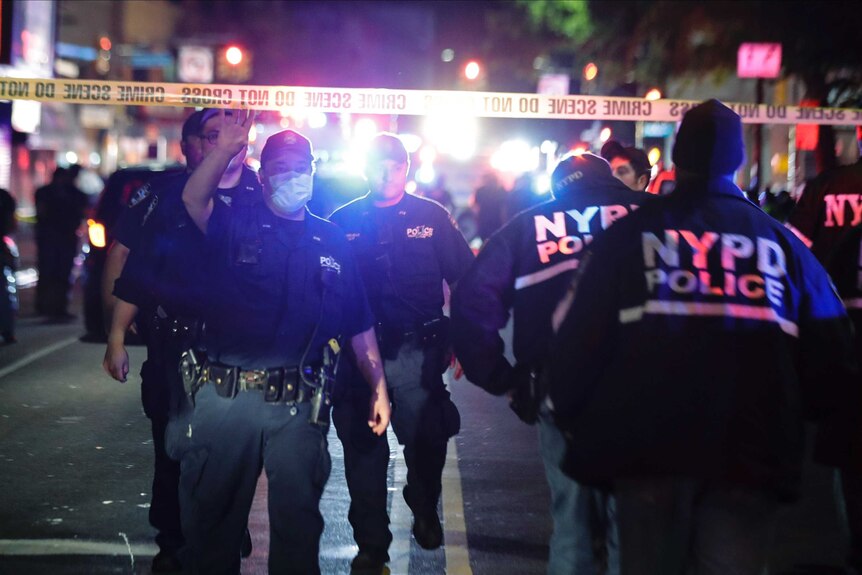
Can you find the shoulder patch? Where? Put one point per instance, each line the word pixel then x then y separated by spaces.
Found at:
pixel 139 196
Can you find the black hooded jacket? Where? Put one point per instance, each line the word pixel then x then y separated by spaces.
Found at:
pixel 525 269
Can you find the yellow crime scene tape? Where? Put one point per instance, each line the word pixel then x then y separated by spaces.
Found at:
pixel 400 102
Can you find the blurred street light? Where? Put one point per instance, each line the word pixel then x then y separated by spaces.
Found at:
pixel 233 64
pixel 591 71
pixel 653 94
pixel 472 70
pixel 233 55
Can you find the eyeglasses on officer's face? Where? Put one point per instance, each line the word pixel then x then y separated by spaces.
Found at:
pixel 211 137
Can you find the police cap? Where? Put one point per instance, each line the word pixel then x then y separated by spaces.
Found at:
pixel 286 141
pixel 386 146
pixel 576 171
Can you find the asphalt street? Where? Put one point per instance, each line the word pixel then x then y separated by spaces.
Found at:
pixel 75 468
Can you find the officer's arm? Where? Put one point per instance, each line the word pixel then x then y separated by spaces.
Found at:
pixel 118 253
pixel 364 348
pixel 807 215
pixel 480 309
pixel 202 185
pixel 588 320
pixel 454 254
pixel 116 362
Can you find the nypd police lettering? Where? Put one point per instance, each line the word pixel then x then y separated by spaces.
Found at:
pixel 689 274
pixel 565 240
pixel 420 232
pixel 837 208
pixel 329 262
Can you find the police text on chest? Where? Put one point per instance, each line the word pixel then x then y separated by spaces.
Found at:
pixel 751 267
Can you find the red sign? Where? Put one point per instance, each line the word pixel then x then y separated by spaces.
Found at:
pixel 755 60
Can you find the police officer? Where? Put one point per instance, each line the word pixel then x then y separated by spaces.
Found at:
pixel 525 267
pixel 406 246
pixel 700 336
pixel 829 207
pixel 284 293
pixel 160 254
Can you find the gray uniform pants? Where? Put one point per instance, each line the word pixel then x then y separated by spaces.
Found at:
pixel 231 441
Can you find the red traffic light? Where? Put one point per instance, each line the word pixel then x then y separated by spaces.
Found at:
pixel 104 43
pixel 472 70
pixel 233 55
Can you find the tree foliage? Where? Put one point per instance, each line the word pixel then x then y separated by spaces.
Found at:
pixel 648 41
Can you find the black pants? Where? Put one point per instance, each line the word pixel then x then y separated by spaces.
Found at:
pixel 165 504
pixel 423 418
pixel 159 395
pixel 56 258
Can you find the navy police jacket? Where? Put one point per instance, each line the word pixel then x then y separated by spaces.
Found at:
pixel 830 205
pixel 167 252
pixel 839 443
pixel 280 289
pixel 701 335
pixel 404 253
pixel 524 268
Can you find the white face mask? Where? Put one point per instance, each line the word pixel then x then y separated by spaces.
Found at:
pixel 290 191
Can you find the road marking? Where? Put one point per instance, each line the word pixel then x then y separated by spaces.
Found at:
pixel 74 547
pixel 28 359
pixel 454 525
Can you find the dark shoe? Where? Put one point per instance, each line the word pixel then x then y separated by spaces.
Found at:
pixel 165 562
pixel 369 563
pixel 246 548
pixel 427 530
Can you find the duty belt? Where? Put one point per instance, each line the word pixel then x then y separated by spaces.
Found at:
pixel 177 327
pixel 280 384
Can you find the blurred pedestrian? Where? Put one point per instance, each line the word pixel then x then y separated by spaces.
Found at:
pixel 283 296
pixel 523 196
pixel 700 336
pixel 159 256
pixel 841 444
pixel 525 268
pixel 437 191
pixel 406 247
pixel 489 202
pixel 827 218
pixel 629 164
pixel 60 208
pixel 8 266
pixel 829 206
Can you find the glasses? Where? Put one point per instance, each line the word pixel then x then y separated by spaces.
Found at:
pixel 211 137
